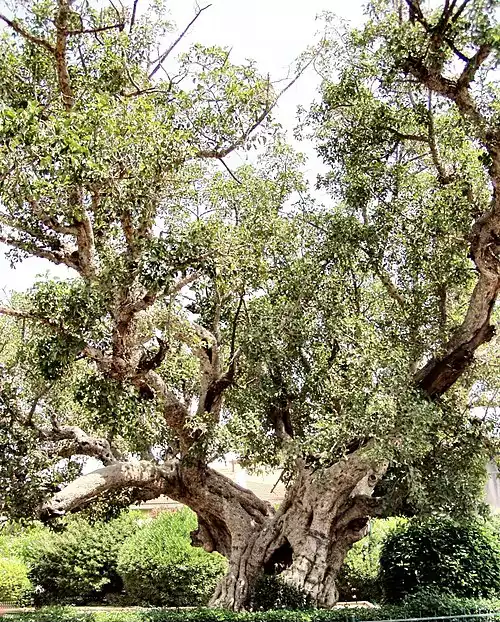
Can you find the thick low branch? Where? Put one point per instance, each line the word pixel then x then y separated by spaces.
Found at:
pixel 117 476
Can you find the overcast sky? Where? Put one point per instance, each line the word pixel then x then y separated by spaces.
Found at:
pixel 272 32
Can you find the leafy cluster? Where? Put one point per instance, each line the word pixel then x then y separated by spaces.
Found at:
pixel 160 567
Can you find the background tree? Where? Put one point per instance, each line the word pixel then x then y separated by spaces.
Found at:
pixel 209 312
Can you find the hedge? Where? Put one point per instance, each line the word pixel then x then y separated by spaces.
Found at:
pixel 160 567
pixel 421 605
pixel 462 559
pixel 359 576
pixel 15 587
pixel 78 565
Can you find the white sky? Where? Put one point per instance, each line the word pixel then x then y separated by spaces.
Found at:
pixel 272 32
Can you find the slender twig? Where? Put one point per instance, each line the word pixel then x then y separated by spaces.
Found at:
pixel 218 154
pixel 238 181
pixel 169 50
pixel 28 35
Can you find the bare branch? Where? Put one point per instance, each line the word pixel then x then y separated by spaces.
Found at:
pixel 83 444
pixel 29 315
pixel 134 13
pixel 235 326
pixel 416 13
pixel 414 137
pixel 442 371
pixel 163 57
pixel 391 289
pixel 50 221
pixel 87 31
pixel 472 66
pixel 443 177
pixel 176 413
pixel 460 10
pixel 176 287
pixel 86 244
pixel 28 35
pixel 56 257
pixel 451 89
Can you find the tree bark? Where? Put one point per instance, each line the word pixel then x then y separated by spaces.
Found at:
pixel 306 540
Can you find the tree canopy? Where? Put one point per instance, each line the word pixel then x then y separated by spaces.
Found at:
pixel 216 309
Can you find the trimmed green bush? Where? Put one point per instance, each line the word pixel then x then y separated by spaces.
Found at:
pixel 15 586
pixel 78 565
pixel 15 539
pixel 160 567
pixel 359 576
pixel 428 604
pixel 459 559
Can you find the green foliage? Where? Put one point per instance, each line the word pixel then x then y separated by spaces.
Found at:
pixel 429 604
pixel 160 567
pixel 319 318
pixel 270 592
pixel 79 564
pixel 359 576
pixel 26 482
pixel 15 586
pixel 17 539
pixel 462 559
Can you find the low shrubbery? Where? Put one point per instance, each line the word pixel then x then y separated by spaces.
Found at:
pixel 15 586
pixel 359 577
pixel 272 593
pixel 425 604
pixel 78 565
pixel 141 561
pixel 160 567
pixel 462 559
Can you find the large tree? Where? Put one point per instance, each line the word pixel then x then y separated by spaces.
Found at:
pixel 214 309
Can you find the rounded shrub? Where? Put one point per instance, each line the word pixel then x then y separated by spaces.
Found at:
pixel 462 559
pixel 15 586
pixel 78 565
pixel 160 567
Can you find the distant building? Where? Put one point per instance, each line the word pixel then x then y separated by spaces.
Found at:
pixel 493 486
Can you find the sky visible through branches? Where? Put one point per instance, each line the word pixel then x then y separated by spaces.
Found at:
pixel 271 32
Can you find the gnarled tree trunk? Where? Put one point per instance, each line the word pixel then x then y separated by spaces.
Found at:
pixel 324 512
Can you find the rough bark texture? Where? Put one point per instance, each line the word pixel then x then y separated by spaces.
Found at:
pixel 323 513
